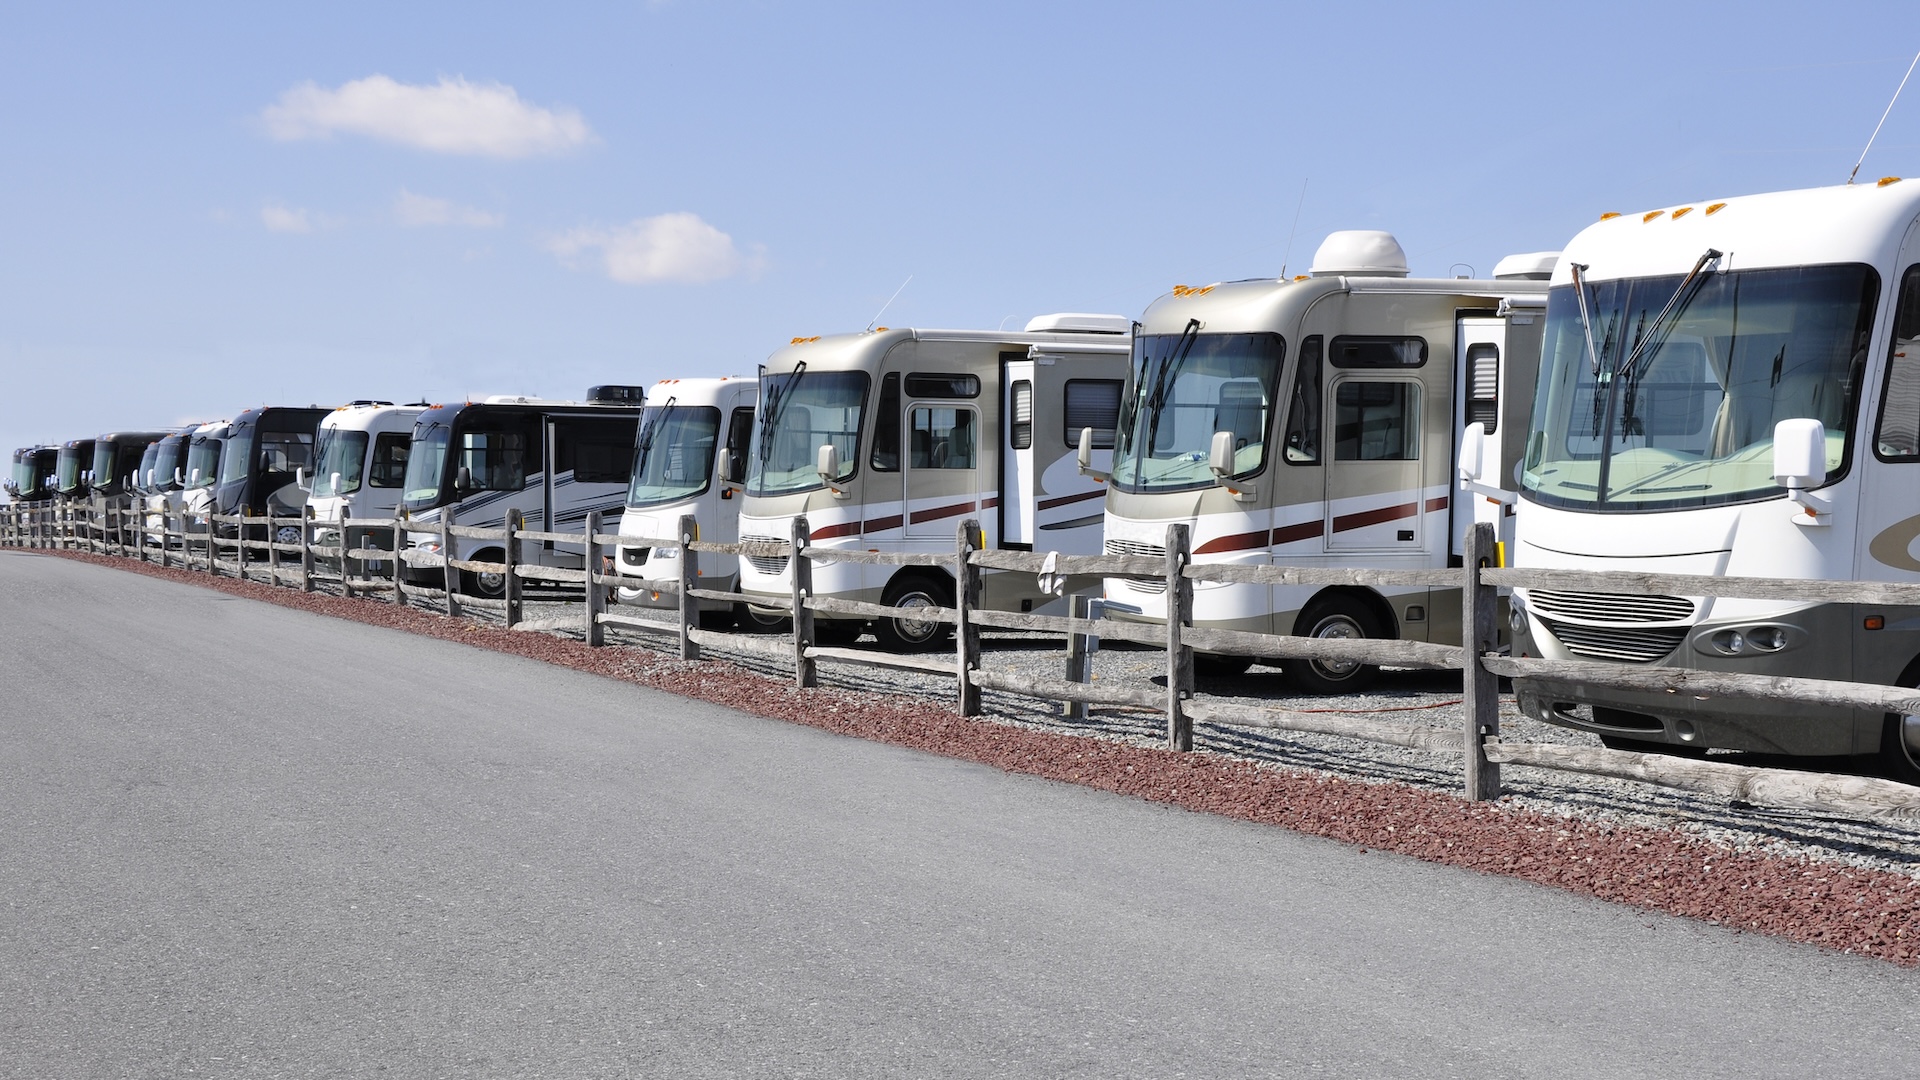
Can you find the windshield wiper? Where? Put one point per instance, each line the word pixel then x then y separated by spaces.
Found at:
pixel 1163 380
pixel 774 402
pixel 1586 318
pixel 1692 281
pixel 644 444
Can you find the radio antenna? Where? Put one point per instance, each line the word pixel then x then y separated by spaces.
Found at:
pixel 889 303
pixel 1883 118
pixel 1296 228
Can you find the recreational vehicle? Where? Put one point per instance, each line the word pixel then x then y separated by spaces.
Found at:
pixel 886 440
pixel 553 461
pixel 201 474
pixel 73 469
pixel 116 461
pixel 1316 422
pixel 264 450
pixel 690 457
pixel 33 473
pixel 1731 387
pixel 161 478
pixel 360 471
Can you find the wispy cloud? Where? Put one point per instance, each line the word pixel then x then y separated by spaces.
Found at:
pixel 420 210
pixel 668 248
pixel 290 219
pixel 451 117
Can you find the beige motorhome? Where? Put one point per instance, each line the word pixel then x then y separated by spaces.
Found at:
pixel 1316 422
pixel 886 440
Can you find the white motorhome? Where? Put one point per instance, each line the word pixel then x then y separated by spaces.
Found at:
pixel 201 473
pixel 163 479
pixel 553 461
pixel 690 457
pixel 1731 387
pixel 1316 422
pixel 360 471
pixel 886 440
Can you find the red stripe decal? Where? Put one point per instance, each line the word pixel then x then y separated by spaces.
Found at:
pixel 938 512
pixel 882 524
pixel 1048 504
pixel 845 528
pixel 1348 522
pixel 1441 503
pixel 1306 530
pixel 1236 542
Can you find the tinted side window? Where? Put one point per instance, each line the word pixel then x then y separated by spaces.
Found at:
pixel 389 466
pixel 1376 421
pixel 1356 351
pixel 1898 437
pixel 1303 410
pixel 1483 385
pixel 1093 403
pixel 598 450
pixel 886 425
pixel 739 437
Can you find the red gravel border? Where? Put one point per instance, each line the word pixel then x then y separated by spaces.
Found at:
pixel 1866 912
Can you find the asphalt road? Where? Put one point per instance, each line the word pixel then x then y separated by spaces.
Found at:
pixel 242 841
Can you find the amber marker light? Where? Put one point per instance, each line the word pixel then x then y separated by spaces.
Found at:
pixel 1651 214
pixel 1609 215
pixel 1885 180
pixel 1682 212
pixel 1716 208
pixel 1874 622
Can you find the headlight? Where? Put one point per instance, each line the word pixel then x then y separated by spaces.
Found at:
pixel 1516 617
pixel 666 553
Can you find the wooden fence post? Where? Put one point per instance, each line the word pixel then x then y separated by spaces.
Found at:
pixel 1480 688
pixel 399 545
pixel 449 577
pixel 306 547
pixel 511 557
pixel 273 549
pixel 805 671
pixel 241 546
pixel 1179 655
pixel 166 520
pixel 966 632
pixel 1079 654
pixel 596 633
pixel 689 531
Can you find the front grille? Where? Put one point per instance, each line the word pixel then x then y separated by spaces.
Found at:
pixel 1634 645
pixel 634 556
pixel 771 565
pixel 1611 608
pixel 1149 586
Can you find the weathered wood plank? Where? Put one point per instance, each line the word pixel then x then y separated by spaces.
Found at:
pixel 1325 575
pixel 550 573
pixel 1367 650
pixel 1439 740
pixel 1747 588
pixel 772 648
pixel 933 663
pixel 568 623
pixel 1858 796
pixel 878 558
pixel 1062 690
pixel 616 618
pixel 837 606
pixel 1141 566
pixel 1690 683
pixel 550 537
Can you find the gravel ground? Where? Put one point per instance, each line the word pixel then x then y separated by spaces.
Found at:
pixel 1845 884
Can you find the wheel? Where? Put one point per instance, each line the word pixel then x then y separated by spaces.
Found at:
pixel 907 634
pixel 287 534
pixel 1900 748
pixel 486 585
pixel 754 622
pixel 1220 666
pixel 1334 618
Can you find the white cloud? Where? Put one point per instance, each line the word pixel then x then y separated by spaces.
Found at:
pixel 671 247
pixel 453 117
pixel 416 210
pixel 289 219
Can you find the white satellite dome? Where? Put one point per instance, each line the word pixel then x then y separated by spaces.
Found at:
pixel 1359 252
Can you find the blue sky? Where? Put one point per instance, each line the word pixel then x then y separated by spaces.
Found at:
pixel 208 207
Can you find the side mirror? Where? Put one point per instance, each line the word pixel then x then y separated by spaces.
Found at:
pixel 723 465
pixel 300 478
pixel 1799 453
pixel 196 476
pixel 177 478
pixel 828 462
pixel 1084 452
pixel 1800 462
pixel 335 478
pixel 1473 440
pixel 1220 455
pixel 463 480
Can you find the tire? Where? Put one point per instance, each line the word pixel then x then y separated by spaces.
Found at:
pixel 1334 617
pixel 287 534
pixel 914 635
pixel 485 586
pixel 1220 666
pixel 1900 748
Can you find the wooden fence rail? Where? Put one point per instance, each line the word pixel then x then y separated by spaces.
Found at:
pixel 261 547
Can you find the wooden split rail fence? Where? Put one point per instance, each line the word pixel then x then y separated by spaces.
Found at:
pixel 109 527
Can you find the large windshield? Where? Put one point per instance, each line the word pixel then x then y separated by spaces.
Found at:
pixel 1680 412
pixel 339 462
pixel 147 475
pixel 426 465
pixel 166 460
pixel 1184 388
pixel 203 461
pixel 236 457
pixel 73 462
pixel 104 463
pixel 673 454
pixel 803 411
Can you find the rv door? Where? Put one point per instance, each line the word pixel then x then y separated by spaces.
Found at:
pixel 1479 355
pixel 1019 478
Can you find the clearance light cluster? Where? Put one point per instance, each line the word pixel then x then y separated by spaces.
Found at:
pixel 1188 290
pixel 1885 180
pixel 1682 212
pixel 804 340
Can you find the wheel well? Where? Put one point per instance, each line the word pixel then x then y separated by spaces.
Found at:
pixel 1366 599
pixel 931 575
